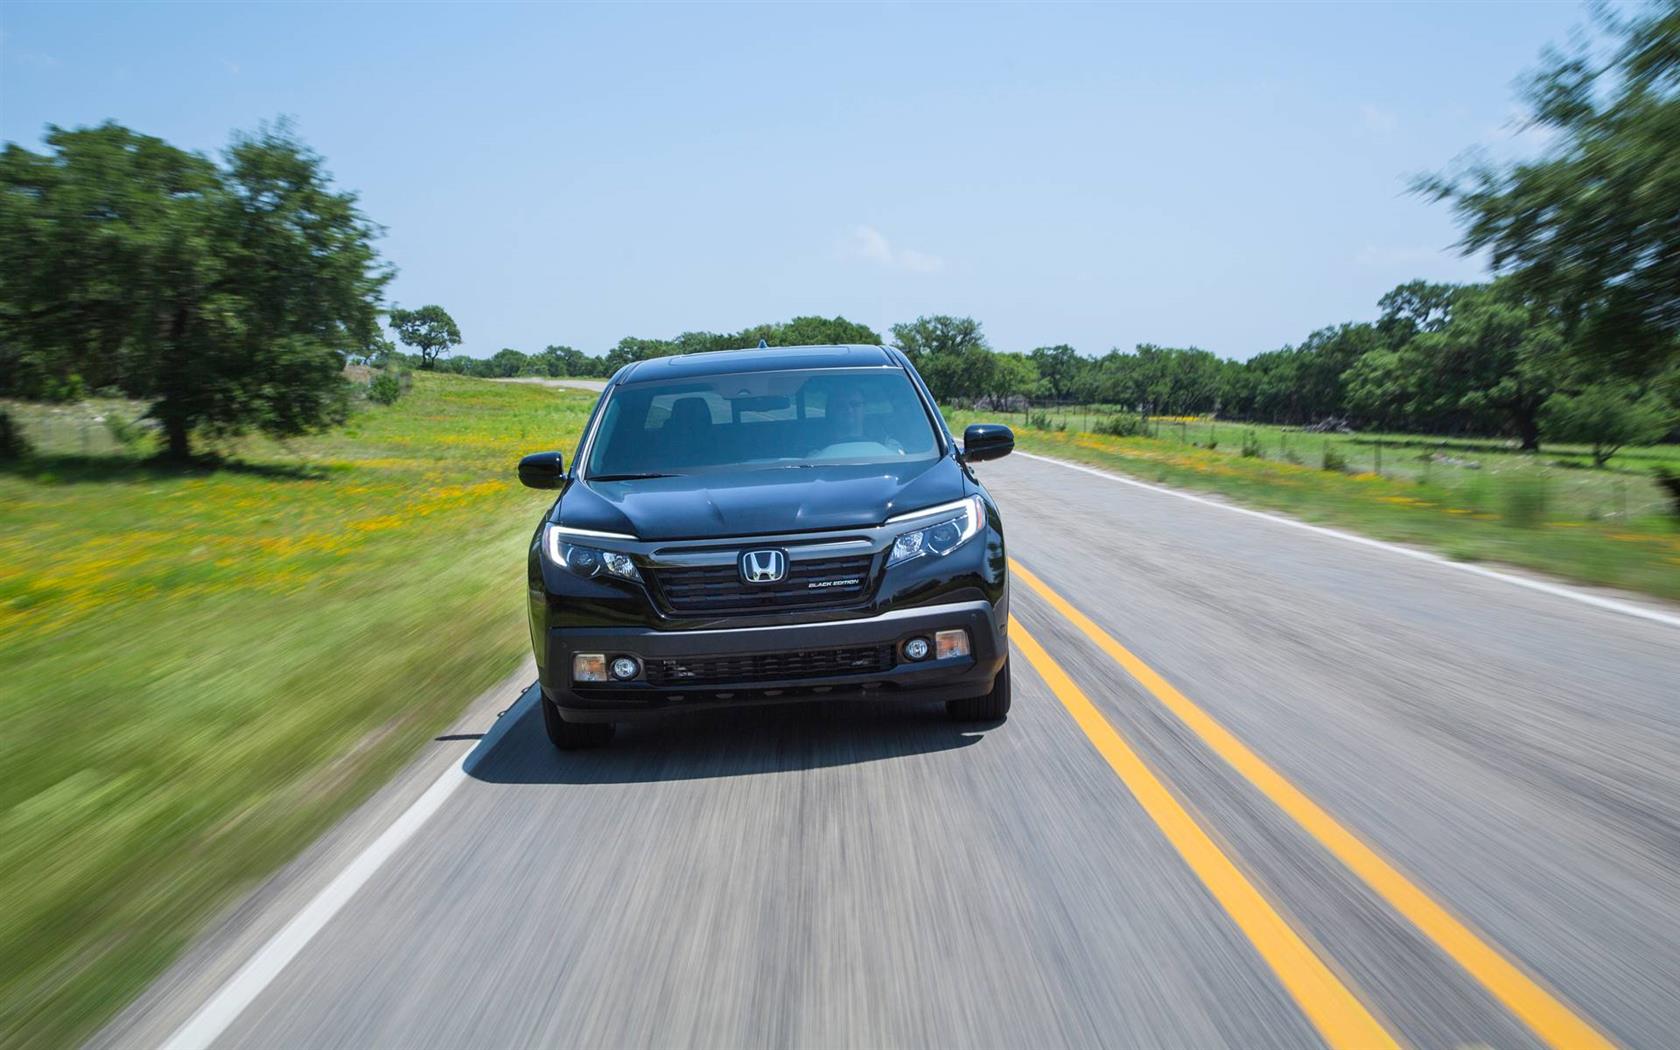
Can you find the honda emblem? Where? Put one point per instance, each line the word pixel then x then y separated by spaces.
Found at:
pixel 766 566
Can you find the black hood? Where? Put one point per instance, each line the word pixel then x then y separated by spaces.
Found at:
pixel 760 502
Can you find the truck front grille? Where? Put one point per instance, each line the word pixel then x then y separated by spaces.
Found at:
pixel 815 583
pixel 768 667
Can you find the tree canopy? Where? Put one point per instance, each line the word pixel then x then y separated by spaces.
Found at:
pixel 1591 228
pixel 227 295
pixel 429 330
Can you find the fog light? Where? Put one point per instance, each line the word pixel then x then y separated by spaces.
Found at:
pixel 916 649
pixel 625 668
pixel 950 643
pixel 589 667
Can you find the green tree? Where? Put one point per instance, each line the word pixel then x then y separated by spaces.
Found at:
pixel 557 361
pixel 951 353
pixel 383 353
pixel 807 331
pixel 1382 387
pixel 630 349
pixel 1160 379
pixel 1608 415
pixel 1061 369
pixel 1590 228
pixel 429 330
pixel 1489 369
pixel 507 363
pixel 230 297
pixel 106 236
pixel 938 334
pixel 1413 307
pixel 1009 375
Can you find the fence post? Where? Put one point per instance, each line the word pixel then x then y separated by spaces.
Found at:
pixel 1379 457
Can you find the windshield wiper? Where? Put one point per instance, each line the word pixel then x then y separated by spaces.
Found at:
pixel 628 477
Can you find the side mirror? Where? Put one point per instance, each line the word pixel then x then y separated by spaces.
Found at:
pixel 542 470
pixel 987 441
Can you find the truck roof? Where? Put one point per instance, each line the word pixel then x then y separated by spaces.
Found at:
pixel 767 359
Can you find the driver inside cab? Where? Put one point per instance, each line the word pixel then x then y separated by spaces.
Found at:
pixel 848 429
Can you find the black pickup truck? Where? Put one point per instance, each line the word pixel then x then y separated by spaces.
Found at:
pixel 767 526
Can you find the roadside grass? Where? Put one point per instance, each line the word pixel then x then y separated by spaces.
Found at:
pixel 201 669
pixel 1626 487
pixel 1519 510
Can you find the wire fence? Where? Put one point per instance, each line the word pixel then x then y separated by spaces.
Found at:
pixel 1334 448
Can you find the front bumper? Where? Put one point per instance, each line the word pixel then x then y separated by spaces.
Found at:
pixel 950 679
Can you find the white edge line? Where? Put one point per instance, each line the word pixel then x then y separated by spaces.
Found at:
pixel 1609 604
pixel 213 1018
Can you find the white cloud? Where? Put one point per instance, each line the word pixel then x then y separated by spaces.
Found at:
pixel 871 245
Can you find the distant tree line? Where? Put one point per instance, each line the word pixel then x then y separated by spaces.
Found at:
pixel 561 361
pixel 1478 359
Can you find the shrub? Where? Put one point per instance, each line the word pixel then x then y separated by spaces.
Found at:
pixel 1039 420
pixel 1608 415
pixel 1251 446
pixel 1670 482
pixel 13 445
pixel 1524 500
pixel 1334 460
pixel 70 388
pixel 385 388
pixel 127 433
pixel 1120 426
pixel 1472 494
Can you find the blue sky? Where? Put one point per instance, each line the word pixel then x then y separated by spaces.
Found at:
pixel 1230 176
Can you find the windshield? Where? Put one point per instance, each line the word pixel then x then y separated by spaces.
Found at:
pixel 762 420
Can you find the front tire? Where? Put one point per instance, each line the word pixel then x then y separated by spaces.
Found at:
pixel 572 736
pixel 992 707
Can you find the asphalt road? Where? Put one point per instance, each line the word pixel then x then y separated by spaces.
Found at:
pixel 1260 787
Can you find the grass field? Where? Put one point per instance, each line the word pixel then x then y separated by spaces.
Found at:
pixel 1625 488
pixel 1541 512
pixel 199 671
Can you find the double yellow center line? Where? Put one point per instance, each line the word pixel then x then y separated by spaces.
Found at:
pixel 1334 1010
pixel 1331 1007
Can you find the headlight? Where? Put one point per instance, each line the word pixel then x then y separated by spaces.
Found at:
pixel 588 561
pixel 943 535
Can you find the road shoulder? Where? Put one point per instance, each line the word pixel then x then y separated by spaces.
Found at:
pixel 228 942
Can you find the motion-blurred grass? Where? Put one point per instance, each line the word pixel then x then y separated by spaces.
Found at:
pixel 1521 510
pixel 1625 487
pixel 200 670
